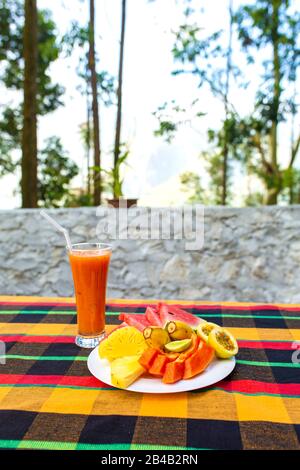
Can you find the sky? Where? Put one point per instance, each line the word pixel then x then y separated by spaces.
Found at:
pixel 154 166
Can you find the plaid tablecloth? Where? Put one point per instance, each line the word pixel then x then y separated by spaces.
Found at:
pixel 49 400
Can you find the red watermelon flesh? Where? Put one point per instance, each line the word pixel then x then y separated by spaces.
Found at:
pixel 164 313
pixel 153 316
pixel 138 321
pixel 172 312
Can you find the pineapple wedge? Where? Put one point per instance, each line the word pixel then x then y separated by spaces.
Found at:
pixel 125 370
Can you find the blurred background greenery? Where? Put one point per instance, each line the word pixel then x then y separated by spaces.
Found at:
pixel 225 114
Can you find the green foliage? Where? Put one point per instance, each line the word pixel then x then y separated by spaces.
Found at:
pixel 191 183
pixel 113 181
pixel 55 173
pixel 78 36
pixel 171 117
pixel 264 24
pixel 11 75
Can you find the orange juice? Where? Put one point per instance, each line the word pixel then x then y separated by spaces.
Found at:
pixel 90 270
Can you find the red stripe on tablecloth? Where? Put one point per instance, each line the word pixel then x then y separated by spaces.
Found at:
pixel 243 386
pixel 76 381
pixel 286 345
pixel 36 339
pixel 249 386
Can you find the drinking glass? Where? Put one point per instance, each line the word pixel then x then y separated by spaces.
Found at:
pixel 89 264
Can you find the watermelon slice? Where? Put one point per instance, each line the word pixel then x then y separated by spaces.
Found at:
pixel 137 320
pixel 153 316
pixel 164 313
pixel 173 312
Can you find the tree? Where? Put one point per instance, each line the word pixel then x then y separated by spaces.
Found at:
pixel 79 36
pixel 95 107
pixel 48 94
pixel 270 25
pixel 119 102
pixel 56 171
pixel 205 58
pixel 29 135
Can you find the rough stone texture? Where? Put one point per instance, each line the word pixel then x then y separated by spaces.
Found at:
pixel 250 254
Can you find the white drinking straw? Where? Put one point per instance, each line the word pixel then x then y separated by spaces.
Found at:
pixel 59 228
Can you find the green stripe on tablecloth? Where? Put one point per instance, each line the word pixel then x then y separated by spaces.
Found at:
pixel 84 358
pixel 57 445
pixel 43 358
pixel 203 315
pixel 266 364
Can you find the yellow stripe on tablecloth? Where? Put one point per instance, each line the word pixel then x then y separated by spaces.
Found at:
pixel 117 402
pixel 24 398
pixel 71 330
pixel 293 407
pixel 172 405
pixel 261 408
pixel 213 404
pixel 66 300
pixel 38 329
pixel 70 401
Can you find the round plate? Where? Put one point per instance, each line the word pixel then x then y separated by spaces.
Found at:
pixel 216 371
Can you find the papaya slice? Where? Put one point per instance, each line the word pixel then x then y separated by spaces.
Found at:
pixel 174 372
pixel 147 358
pixel 158 366
pixel 198 362
pixel 192 349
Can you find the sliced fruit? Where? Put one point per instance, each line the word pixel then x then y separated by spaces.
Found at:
pixel 153 316
pixel 192 348
pixel 172 356
pixel 156 337
pixel 174 372
pixel 178 330
pixel 147 358
pixel 126 341
pixel 137 320
pixel 125 370
pixel 178 346
pixel 204 329
pixel 177 313
pixel 198 362
pixel 163 313
pixel 159 365
pixel 223 342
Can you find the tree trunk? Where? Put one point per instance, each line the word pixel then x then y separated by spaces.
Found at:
pixel 119 93
pixel 276 95
pixel 225 149
pixel 29 135
pixel 88 139
pixel 95 107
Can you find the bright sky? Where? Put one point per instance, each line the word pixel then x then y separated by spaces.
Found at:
pixel 154 166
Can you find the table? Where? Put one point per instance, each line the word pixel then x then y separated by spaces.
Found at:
pixel 49 400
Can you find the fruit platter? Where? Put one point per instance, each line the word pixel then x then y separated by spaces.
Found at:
pixel 165 350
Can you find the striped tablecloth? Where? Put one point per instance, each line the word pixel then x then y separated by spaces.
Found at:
pixel 49 400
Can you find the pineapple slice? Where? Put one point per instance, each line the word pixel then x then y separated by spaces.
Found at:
pixel 125 370
pixel 127 341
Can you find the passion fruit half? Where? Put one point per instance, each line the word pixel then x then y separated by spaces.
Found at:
pixel 223 342
pixel 204 329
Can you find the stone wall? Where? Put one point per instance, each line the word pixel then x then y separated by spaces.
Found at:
pixel 250 254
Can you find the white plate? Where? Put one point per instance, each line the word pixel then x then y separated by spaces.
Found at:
pixel 216 371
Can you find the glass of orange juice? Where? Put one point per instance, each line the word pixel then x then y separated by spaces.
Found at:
pixel 89 264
